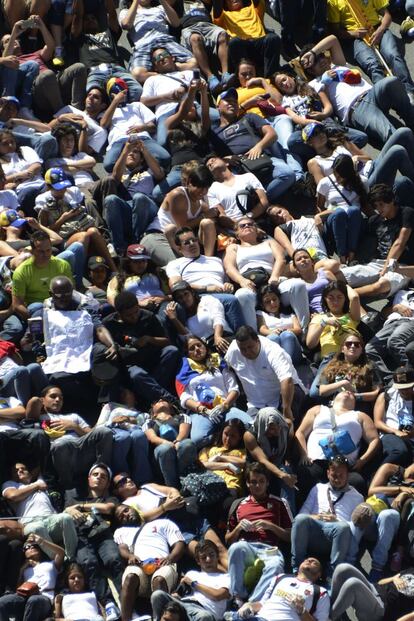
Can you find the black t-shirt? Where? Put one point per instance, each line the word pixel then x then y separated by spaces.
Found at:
pixel 397 603
pixel 387 231
pixel 146 357
pixel 98 48
pixel 77 496
pixel 236 138
pixel 194 13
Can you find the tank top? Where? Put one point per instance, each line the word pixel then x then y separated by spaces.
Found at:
pixel 348 421
pixel 165 218
pixel 315 289
pixel 250 257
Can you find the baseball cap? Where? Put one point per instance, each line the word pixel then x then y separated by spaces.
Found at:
pixel 230 93
pixel 362 515
pixel 137 252
pixel 403 377
pixel 57 178
pixel 181 285
pixel 11 99
pixel 310 130
pixel 10 217
pixel 116 85
pixel 96 261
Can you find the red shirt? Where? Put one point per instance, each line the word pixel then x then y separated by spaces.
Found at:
pixel 37 59
pixel 272 509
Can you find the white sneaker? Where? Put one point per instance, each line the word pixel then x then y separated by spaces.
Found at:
pixel 27 114
pixel 111 612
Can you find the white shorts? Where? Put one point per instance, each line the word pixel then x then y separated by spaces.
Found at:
pixel 168 572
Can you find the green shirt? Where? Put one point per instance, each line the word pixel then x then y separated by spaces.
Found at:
pixel 32 283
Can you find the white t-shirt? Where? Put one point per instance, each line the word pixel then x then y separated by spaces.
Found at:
pixel 341 94
pixel 220 382
pixel 162 84
pixel 81 177
pixel 225 195
pixel 34 505
pixel 96 134
pixel 284 322
pixel 344 503
pixel 154 541
pixel 8 200
pixel 304 233
pixel 204 271
pixel 326 162
pixel 75 418
pixel 45 575
pixel 261 377
pixel 80 606
pixel 147 499
pixel 127 116
pixel 214 580
pixel 333 197
pixel 322 427
pixel 210 313
pixel 8 402
pixel 73 197
pixel 16 163
pixel 407 299
pixel 276 600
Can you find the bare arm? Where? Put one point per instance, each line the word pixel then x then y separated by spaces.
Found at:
pixel 128 21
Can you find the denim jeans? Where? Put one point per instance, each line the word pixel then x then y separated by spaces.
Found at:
pixel 314 389
pixel 265 50
pixel 290 11
pixel 333 537
pixel 284 173
pixel 75 256
pixel 128 220
pixel 58 527
pixel 370 114
pixel 24 382
pixel 391 342
pixel 159 382
pixel 173 462
pixel 19 83
pixel 153 146
pixel 171 181
pixel 130 454
pixel 397 154
pixel 244 553
pixel 283 126
pixel 202 428
pixel 98 78
pixel 382 529
pixel 12 329
pixel 34 608
pixel 233 309
pixel 92 555
pixel 409 7
pixel 351 589
pixel 289 342
pixel 344 226
pixel 396 450
pixel 390 48
pixel 191 610
pixel 45 144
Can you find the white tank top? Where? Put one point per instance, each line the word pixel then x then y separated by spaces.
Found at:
pixel 250 257
pixel 348 421
pixel 165 217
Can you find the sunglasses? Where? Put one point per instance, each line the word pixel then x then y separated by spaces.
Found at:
pixel 161 56
pixel 247 225
pixel 121 482
pixel 350 344
pixel 189 242
pixel 27 546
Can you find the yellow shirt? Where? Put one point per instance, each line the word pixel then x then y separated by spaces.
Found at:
pixel 233 481
pixel 247 93
pixel 246 23
pixel 332 337
pixel 340 13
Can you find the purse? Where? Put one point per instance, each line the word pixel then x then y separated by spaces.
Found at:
pixel 262 166
pixel 258 275
pixel 27 589
pixel 338 443
pixel 207 487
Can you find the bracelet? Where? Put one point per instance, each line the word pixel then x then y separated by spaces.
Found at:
pixel 323 323
pixel 193 584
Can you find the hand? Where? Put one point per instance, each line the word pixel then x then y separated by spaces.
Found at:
pixel 358 465
pixel 254 152
pixel 112 352
pixel 216 414
pixel 314 116
pixel 262 525
pixel 41 486
pixel 35 538
pixel 398 501
pixel 134 560
pixel 327 517
pixel 33 223
pixel 135 129
pixel 403 310
pixel 63 425
pixel 289 479
pixel 37 20
pixel 171 310
pixel 332 321
pixel 401 434
pixel 228 287
pixel 246 525
pixel 318 221
pixel 120 97
pixel 173 503
pixel 18 27
pixel 165 561
pixel 213 212
pixel 346 384
pixel 248 284
pixel 186 580
pixel 254 82
pixel 246 611
pixel 72 213
pixel 360 33
pixel 221 344
pixel 307 59
pixel 203 86
pixel 77 515
pixel 376 36
pixel 11 62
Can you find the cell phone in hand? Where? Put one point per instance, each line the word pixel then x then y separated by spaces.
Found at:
pixel 196 74
pixel 28 23
pixel 265 96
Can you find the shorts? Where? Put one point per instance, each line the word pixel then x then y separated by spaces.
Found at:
pixel 194 528
pixel 209 32
pixel 141 56
pixel 361 275
pixel 168 572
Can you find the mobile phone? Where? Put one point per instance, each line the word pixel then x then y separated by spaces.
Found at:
pixel 196 74
pixel 134 138
pixel 265 96
pixel 35 325
pixel 28 23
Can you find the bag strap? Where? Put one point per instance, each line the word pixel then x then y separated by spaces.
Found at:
pixel 186 265
pixel 339 191
pixel 332 503
pixel 177 80
pixel 316 596
pixel 333 420
pixel 137 534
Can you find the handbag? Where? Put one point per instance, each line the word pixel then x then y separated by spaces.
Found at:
pixel 338 443
pixel 207 487
pixel 258 275
pixel 262 166
pixel 27 589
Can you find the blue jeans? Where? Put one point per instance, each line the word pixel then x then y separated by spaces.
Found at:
pixel 326 536
pixel 202 428
pixel 390 48
pixel 382 529
pixel 396 155
pixel 232 310
pixel 409 7
pixel 75 256
pixel 24 382
pixel 171 181
pixel 283 126
pixel 98 78
pixel 27 197
pixel 314 389
pixel 241 555
pixel 159 382
pixel 395 450
pixel 128 220
pixel 173 462
pixel 156 150
pixel 34 608
pixel 344 227
pixel 290 343
pixel 130 454
pixel 19 83
pixel 191 611
pixel 45 144
pixel 370 114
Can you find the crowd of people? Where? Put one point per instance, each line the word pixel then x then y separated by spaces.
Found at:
pixel 206 320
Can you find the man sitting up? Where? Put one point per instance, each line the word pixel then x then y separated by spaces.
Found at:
pixel 256 525
pixel 151 552
pixel 202 595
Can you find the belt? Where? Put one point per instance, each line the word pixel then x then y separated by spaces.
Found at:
pixel 355 104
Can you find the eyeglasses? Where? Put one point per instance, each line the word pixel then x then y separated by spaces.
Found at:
pixel 350 344
pixel 189 242
pixel 121 482
pixel 161 56
pixel 247 225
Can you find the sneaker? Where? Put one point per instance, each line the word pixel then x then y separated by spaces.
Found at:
pixel 226 77
pixel 27 114
pixel 396 562
pixel 112 613
pixel 213 83
pixel 407 27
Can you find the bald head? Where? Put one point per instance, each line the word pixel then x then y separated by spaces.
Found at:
pixel 61 290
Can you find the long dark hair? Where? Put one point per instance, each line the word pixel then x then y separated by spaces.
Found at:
pixel 343 165
pixel 236 424
pixel 207 362
pixel 124 272
pixel 336 285
pixel 9 133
